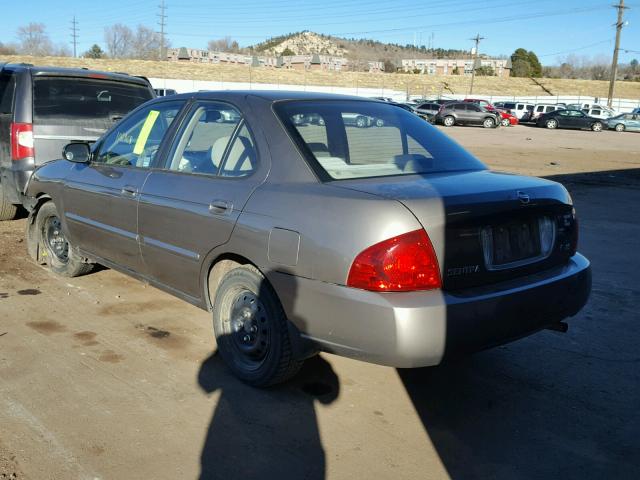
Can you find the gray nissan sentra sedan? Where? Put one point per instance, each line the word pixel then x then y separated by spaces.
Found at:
pixel 383 241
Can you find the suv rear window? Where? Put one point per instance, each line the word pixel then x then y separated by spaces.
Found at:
pixel 72 100
pixel 359 139
pixel 7 91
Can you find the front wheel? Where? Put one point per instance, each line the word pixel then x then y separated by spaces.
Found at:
pixel 361 122
pixel 379 122
pixel 551 124
pixel 505 122
pixel 449 121
pixel 596 127
pixel 620 127
pixel 56 251
pixel 489 123
pixel 251 329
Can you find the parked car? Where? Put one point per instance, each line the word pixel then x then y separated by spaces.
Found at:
pixel 599 112
pixel 508 119
pixel 466 113
pixel 625 122
pixel 571 119
pixel 585 107
pixel 391 246
pixel 635 111
pixel 44 108
pixel 428 110
pixel 163 92
pixel 539 110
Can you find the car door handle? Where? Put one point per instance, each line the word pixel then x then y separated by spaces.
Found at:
pixel 220 207
pixel 129 191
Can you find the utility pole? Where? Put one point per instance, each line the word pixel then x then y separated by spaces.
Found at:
pixel 74 36
pixel 614 64
pixel 162 24
pixel 476 39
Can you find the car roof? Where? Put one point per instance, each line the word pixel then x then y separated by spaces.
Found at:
pixel 38 70
pixel 271 95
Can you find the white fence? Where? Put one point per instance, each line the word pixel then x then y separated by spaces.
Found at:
pixel 183 86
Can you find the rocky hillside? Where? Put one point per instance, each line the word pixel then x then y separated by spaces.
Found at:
pixel 303 43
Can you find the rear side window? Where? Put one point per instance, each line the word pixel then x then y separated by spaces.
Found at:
pixel 7 91
pixel 72 101
pixel 550 109
pixel 370 139
pixel 509 106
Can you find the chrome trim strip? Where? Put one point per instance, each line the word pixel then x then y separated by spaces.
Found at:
pixel 69 138
pixel 101 226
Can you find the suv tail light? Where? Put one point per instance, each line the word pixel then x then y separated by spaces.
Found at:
pixel 575 236
pixel 400 264
pixel 21 141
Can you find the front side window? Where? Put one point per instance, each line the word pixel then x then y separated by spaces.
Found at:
pixel 359 139
pixel 136 139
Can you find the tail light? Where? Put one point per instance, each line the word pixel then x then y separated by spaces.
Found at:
pixel 21 141
pixel 574 238
pixel 400 264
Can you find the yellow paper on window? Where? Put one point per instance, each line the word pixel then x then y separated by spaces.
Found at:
pixel 145 131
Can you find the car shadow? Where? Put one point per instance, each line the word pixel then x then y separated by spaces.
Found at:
pixel 266 432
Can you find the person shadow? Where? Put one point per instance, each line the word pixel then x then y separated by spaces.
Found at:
pixel 266 432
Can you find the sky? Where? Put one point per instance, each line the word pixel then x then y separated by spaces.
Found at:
pixel 553 29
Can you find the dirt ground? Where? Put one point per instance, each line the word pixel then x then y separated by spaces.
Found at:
pixel 103 377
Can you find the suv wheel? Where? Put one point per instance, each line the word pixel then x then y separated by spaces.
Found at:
pixel 56 251
pixel 361 122
pixel 251 329
pixel 449 121
pixel 7 209
pixel 489 123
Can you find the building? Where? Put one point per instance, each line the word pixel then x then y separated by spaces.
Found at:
pixel 447 66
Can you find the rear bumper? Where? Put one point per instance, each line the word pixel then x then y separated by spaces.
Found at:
pixel 15 179
pixel 418 329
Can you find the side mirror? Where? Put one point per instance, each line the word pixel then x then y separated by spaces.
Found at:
pixel 76 152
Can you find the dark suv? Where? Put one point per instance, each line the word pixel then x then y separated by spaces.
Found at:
pixel 466 113
pixel 44 108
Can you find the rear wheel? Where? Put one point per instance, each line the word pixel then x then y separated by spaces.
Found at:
pixel 596 127
pixel 489 123
pixel 379 122
pixel 620 127
pixel 551 124
pixel 361 122
pixel 505 122
pixel 56 251
pixel 251 329
pixel 449 121
pixel 8 210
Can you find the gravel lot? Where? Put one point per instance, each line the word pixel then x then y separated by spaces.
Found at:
pixel 105 377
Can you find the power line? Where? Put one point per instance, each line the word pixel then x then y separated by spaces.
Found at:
pixel 614 64
pixel 163 18
pixel 74 36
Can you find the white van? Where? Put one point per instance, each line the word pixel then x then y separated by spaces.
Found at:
pixel 518 109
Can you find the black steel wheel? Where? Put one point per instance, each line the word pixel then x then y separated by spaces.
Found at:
pixel 54 247
pixel 251 329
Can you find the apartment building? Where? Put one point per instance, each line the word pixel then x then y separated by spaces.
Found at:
pixel 446 66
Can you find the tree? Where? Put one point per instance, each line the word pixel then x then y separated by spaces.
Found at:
pixel 118 38
pixel 226 44
pixel 287 52
pixel 8 49
pixel 634 65
pixel 486 71
pixel 520 68
pixel 94 52
pixel 534 63
pixel 34 39
pixel 145 44
pixel 525 64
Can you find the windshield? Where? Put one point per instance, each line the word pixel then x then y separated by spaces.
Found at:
pixel 359 139
pixel 71 100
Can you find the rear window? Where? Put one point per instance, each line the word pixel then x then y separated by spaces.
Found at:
pixel 72 100
pixel 359 139
pixel 7 91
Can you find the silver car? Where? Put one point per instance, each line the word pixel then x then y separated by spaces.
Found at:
pixel 625 122
pixel 389 244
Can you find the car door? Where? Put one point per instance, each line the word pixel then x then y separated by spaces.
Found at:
pixel 475 114
pixel 101 198
pixel 191 205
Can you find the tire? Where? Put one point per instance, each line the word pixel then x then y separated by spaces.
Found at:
pixel 551 124
pixel 361 122
pixel 55 250
pixel 596 127
pixel 8 210
pixel 448 121
pixel 379 122
pixel 251 329
pixel 620 127
pixel 489 123
pixel 505 122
